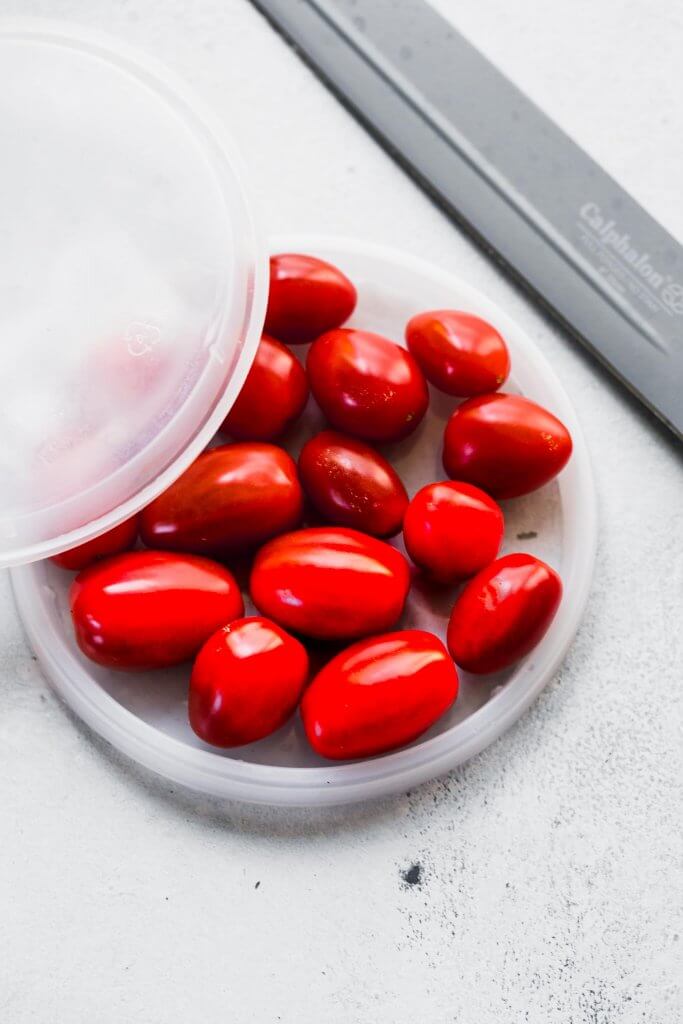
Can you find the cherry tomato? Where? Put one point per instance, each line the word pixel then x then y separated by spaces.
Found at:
pixel 459 353
pixel 452 530
pixel 273 396
pixel 120 538
pixel 505 444
pixel 231 499
pixel 329 582
pixel 351 484
pixel 246 682
pixel 148 609
pixel 307 296
pixel 503 612
pixel 367 385
pixel 379 694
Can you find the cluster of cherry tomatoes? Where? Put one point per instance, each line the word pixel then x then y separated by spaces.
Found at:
pixel 338 582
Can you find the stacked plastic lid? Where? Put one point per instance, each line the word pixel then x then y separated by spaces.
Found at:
pixel 132 286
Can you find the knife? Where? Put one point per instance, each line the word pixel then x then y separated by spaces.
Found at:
pixel 504 171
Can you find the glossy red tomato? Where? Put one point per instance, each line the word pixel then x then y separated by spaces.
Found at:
pixel 452 530
pixel 246 682
pixel 459 353
pixel 330 582
pixel 231 499
pixel 379 694
pixel 273 396
pixel 307 296
pixel 503 612
pixel 505 444
pixel 148 609
pixel 351 484
pixel 366 385
pixel 120 538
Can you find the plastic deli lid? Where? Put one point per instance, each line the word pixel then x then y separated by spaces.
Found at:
pixel 132 286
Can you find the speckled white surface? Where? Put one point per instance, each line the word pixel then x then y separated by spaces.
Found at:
pixel 548 888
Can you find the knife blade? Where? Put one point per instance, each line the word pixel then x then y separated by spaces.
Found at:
pixel 587 251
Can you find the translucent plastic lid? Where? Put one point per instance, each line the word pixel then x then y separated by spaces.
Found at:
pixel 132 286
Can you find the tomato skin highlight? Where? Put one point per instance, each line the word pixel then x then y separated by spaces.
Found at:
pixel 307 297
pixel 113 542
pixel 230 500
pixel 366 385
pixel 379 694
pixel 150 609
pixel 351 484
pixel 458 353
pixel 246 682
pixel 505 444
pixel 273 396
pixel 330 582
pixel 503 613
pixel 452 530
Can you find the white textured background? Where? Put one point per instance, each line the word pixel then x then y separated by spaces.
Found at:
pixel 548 880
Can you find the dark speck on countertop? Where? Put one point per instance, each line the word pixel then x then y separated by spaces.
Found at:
pixel 412 875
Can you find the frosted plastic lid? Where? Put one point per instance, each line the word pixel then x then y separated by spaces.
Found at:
pixel 132 286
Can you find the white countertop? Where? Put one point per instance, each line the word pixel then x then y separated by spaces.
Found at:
pixel 545 886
